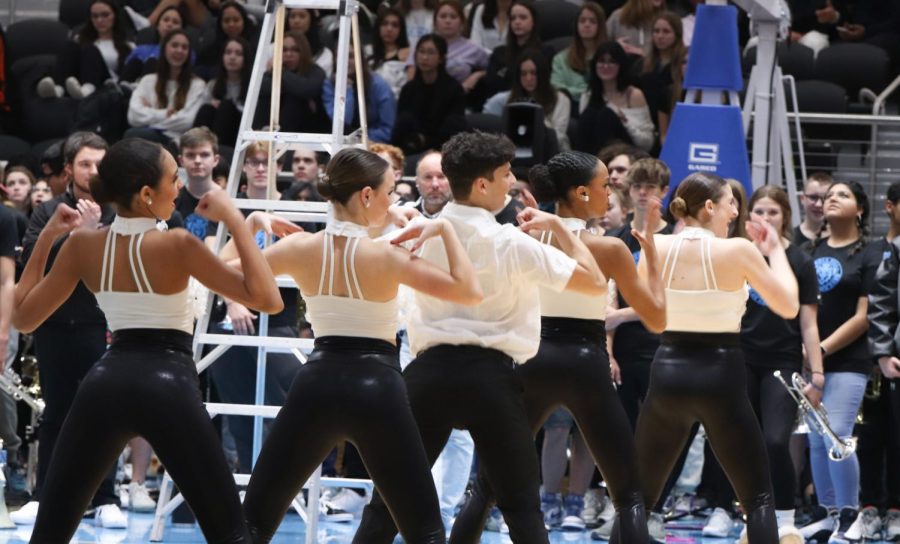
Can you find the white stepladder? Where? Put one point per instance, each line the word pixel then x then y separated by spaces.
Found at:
pixel 278 143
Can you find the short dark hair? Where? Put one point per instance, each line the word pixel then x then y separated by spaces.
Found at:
pixel 893 192
pixel 78 141
pixel 471 155
pixel 128 166
pixel 53 158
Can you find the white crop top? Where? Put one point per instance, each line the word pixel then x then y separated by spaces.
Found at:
pixel 568 303
pixel 350 315
pixel 701 310
pixel 141 309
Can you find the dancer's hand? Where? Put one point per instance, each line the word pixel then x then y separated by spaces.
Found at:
pixel 763 235
pixel 420 230
pixel 646 236
pixel 63 221
pixel 217 206
pixel 401 215
pixel 271 224
pixel 533 219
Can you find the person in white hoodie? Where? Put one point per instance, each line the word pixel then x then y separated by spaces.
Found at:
pixel 164 104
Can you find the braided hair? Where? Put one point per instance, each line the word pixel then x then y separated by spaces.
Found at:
pixel 564 171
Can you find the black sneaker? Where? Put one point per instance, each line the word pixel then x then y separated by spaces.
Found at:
pixel 842 534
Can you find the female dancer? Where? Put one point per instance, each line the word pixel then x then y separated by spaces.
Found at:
pixel 571 368
pixel 351 387
pixel 771 343
pixel 697 373
pixel 150 313
pixel 845 266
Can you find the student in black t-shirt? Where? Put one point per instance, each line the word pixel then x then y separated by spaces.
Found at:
pixel 813 201
pixel 845 267
pixel 631 345
pixel 9 337
pixel 199 157
pixel 772 343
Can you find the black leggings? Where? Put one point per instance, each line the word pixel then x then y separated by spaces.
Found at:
pixel 777 413
pixel 350 389
pixel 474 388
pixel 571 370
pixel 702 377
pixel 145 385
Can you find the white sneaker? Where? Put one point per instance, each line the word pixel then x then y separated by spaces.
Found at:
pixel 609 511
pixel 139 498
pixel 47 88
pixel 891 526
pixel 593 506
pixel 110 517
pixel 348 501
pixel 656 527
pixel 328 512
pixel 789 535
pixel 719 524
pixel 124 499
pixel 871 523
pixel 822 527
pixel 25 515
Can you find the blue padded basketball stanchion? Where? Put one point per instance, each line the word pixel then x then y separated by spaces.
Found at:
pixel 709 136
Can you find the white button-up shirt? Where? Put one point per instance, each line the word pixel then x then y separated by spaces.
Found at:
pixel 510 266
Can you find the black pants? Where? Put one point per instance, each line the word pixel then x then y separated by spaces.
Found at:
pixel 65 353
pixel 879 447
pixel 234 377
pixel 145 385
pixel 474 388
pixel 571 370
pixel 224 120
pixel 350 389
pixel 702 377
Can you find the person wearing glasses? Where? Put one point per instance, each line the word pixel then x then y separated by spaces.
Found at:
pixel 813 200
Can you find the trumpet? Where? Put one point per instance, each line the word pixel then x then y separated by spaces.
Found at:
pixel 817 417
pixel 11 383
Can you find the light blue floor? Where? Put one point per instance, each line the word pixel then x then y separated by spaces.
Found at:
pixel 293 530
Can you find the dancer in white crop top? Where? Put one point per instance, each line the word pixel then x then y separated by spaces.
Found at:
pixel 351 388
pixel 698 372
pixel 146 383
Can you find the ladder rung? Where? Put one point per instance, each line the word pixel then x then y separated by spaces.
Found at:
pixel 315 141
pixel 218 408
pixel 273 344
pixel 316 4
pixel 319 209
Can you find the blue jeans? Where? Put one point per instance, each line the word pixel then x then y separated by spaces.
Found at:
pixel 837 483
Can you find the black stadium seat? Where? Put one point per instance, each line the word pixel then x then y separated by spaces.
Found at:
pixel 35 37
pixel 556 18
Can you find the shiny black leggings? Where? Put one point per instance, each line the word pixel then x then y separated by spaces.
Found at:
pixel 474 388
pixel 350 389
pixel 144 385
pixel 571 370
pixel 702 377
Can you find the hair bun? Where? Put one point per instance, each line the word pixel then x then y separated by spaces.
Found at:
pixel 324 187
pixel 678 207
pixel 542 183
pixel 97 190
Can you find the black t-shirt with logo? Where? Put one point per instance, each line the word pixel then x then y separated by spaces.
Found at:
pixel 768 339
pixel 633 342
pixel 197 225
pixel 845 274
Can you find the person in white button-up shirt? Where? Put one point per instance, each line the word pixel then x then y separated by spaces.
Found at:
pixel 463 375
